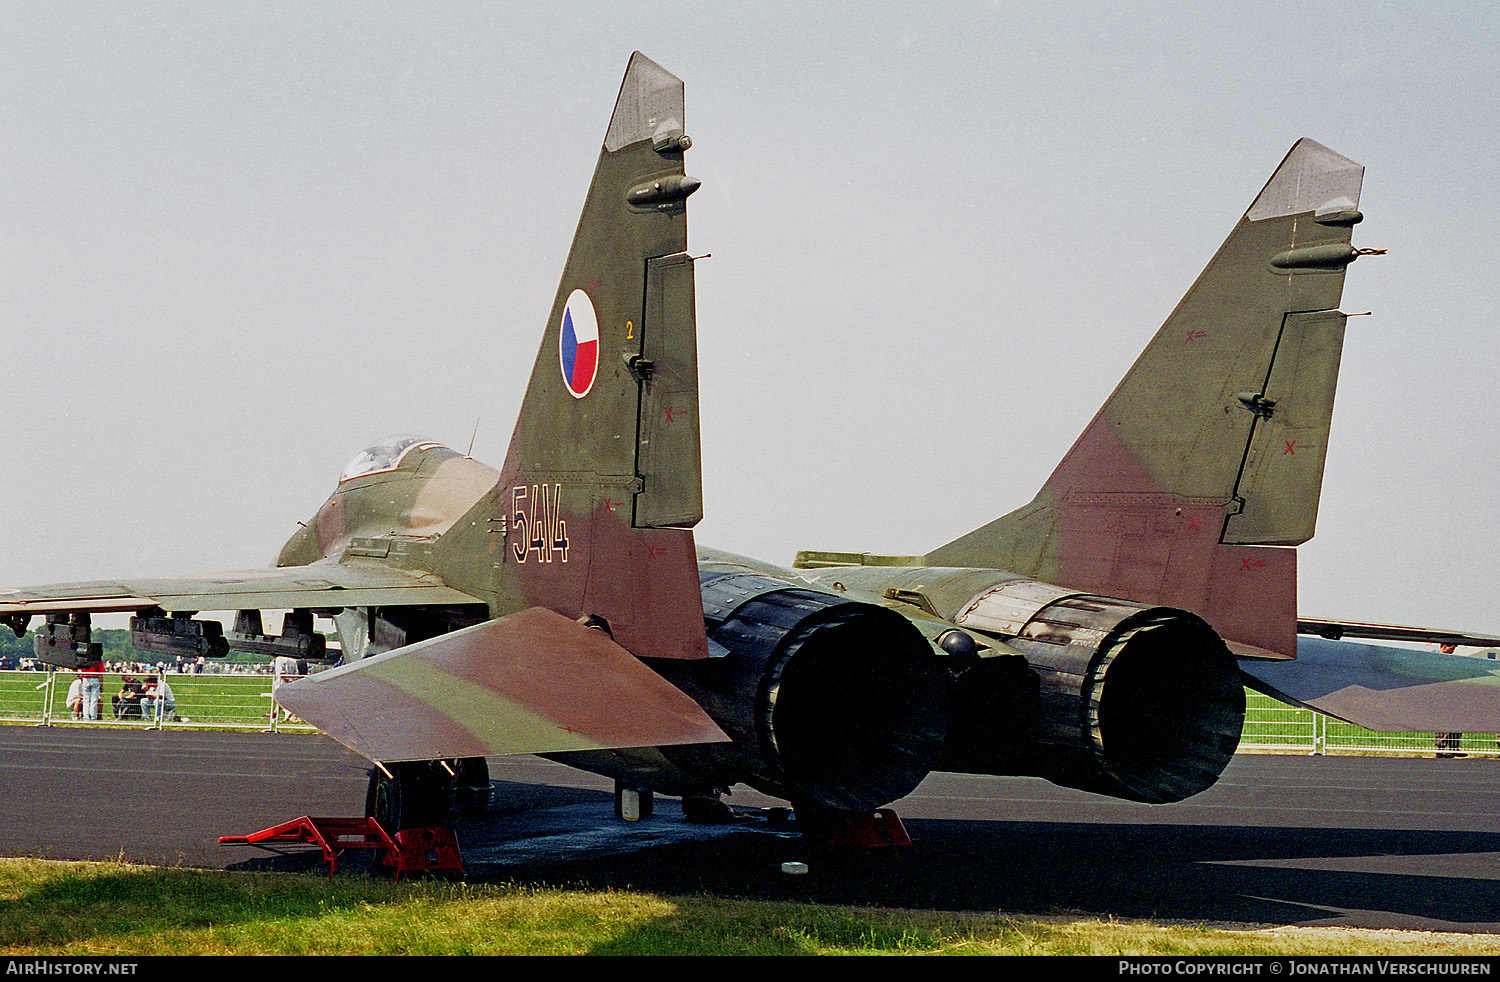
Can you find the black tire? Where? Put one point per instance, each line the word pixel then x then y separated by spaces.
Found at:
pixel 471 787
pixel 415 795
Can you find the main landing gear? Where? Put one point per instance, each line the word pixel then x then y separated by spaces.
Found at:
pixel 422 793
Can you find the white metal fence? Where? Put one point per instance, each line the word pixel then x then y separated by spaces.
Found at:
pixel 1275 727
pixel 220 700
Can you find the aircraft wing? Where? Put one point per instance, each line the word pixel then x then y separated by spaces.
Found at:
pixel 530 682
pixel 284 587
pixel 1383 688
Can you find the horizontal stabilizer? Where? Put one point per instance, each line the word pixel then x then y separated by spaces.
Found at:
pixel 530 682
pixel 1338 630
pixel 1396 690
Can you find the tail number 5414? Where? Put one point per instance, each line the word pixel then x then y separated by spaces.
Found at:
pixel 537 521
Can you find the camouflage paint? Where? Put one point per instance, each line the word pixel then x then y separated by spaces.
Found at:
pixel 1210 452
pixel 530 682
pixel 1386 689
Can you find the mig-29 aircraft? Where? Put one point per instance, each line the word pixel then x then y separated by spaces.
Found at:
pixel 560 606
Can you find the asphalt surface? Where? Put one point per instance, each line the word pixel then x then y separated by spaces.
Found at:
pixel 1359 841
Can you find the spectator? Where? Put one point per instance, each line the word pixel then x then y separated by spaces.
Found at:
pixel 92 676
pixel 159 700
pixel 127 702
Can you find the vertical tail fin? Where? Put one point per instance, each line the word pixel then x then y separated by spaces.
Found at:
pixel 1212 447
pixel 602 484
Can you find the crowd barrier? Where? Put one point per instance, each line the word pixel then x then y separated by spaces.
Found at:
pixel 1275 727
pixel 243 701
pixel 217 700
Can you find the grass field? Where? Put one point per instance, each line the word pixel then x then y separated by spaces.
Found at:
pixel 1272 725
pixel 114 909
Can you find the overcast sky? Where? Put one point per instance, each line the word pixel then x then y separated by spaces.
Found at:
pixel 239 242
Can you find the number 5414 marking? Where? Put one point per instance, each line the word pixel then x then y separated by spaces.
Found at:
pixel 536 518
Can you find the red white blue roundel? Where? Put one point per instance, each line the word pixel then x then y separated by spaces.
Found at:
pixel 578 344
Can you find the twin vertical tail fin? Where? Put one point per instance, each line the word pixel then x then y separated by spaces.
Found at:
pixel 603 479
pixel 1209 455
pixel 602 482
pixel 589 524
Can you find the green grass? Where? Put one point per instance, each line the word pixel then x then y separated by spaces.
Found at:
pixel 19 696
pixel 116 909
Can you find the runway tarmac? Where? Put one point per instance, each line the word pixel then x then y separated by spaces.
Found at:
pixel 1359 841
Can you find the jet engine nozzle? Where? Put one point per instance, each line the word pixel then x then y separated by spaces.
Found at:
pixel 1158 708
pixel 829 702
pixel 1137 702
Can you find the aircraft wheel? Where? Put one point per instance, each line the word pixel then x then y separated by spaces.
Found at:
pixel 471 788
pixel 414 795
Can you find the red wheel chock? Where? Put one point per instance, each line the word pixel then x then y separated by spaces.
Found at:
pixel 430 848
pixel 411 851
pixel 869 830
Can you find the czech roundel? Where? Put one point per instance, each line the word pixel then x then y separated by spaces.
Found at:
pixel 578 344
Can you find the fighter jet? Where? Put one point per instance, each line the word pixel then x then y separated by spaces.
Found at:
pixel 560 606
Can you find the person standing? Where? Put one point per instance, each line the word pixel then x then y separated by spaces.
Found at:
pixel 92 675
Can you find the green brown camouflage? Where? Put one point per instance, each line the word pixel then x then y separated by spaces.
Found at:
pixel 530 682
pixel 1209 455
pixel 540 607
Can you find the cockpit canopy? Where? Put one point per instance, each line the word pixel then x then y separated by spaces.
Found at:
pixel 385 455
